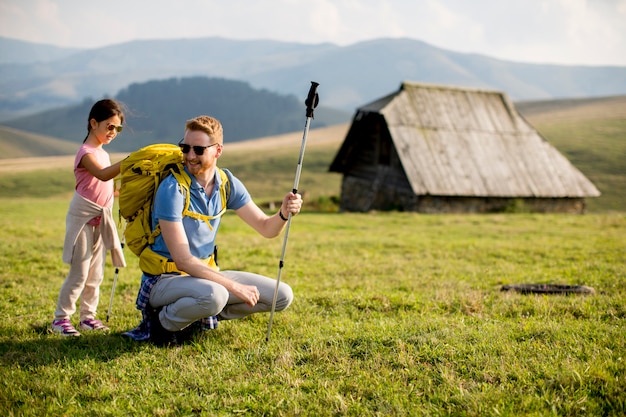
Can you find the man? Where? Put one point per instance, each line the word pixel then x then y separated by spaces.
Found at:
pixel 173 302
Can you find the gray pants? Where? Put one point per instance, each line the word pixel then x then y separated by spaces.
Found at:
pixel 187 299
pixel 85 276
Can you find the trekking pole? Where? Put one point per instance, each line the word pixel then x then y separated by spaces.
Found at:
pixel 117 272
pixel 311 102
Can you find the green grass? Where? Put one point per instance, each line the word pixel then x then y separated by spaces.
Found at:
pixel 279 171
pixel 395 314
pixel 41 183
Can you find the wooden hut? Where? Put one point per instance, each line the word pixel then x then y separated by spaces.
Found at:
pixel 440 149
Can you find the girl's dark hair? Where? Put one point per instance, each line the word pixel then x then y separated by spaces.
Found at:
pixel 103 110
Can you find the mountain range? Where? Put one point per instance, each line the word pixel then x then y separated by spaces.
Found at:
pixel 156 111
pixel 36 77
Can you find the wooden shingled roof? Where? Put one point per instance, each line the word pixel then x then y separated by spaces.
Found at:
pixel 468 142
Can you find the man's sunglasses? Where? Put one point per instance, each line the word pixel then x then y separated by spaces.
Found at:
pixel 111 127
pixel 198 150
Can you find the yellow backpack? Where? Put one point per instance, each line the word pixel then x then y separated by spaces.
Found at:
pixel 141 173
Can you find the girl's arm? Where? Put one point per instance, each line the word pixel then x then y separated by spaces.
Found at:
pixel 102 173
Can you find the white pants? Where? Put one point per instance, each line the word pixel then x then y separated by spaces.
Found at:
pixel 187 299
pixel 85 276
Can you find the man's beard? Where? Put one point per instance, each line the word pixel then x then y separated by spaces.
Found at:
pixel 196 167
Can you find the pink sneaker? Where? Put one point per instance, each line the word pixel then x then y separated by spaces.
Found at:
pixel 64 328
pixel 92 324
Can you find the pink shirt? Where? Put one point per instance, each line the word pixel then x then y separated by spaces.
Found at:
pixel 90 187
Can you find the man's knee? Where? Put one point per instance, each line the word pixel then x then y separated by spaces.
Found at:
pixel 214 301
pixel 284 298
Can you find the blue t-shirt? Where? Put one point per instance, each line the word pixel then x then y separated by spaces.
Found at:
pixel 169 202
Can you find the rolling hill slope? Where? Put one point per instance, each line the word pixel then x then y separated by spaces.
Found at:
pixel 590 133
pixel 15 143
pixel 156 112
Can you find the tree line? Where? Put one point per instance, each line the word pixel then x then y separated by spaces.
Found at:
pixel 156 111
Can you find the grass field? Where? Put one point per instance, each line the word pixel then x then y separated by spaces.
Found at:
pixel 395 314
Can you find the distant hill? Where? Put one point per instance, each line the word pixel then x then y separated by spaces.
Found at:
pixel 13 51
pixel 582 108
pixel 157 111
pixel 349 76
pixel 16 143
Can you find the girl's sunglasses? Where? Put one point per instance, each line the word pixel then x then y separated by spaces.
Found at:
pixel 111 127
pixel 198 150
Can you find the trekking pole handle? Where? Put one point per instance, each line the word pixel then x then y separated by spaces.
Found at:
pixel 312 99
pixel 311 102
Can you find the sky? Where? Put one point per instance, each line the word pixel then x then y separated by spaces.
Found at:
pixel 569 32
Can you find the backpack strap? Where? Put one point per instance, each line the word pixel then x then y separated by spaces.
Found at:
pixel 155 264
pixel 185 182
pixel 225 186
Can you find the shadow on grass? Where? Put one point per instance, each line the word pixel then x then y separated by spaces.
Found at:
pixel 42 347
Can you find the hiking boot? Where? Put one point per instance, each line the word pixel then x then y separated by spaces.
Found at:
pixel 64 328
pixel 187 334
pixel 158 334
pixel 92 324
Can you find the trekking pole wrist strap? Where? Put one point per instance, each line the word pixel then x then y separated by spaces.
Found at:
pixel 280 213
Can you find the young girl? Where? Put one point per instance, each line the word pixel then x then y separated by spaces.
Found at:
pixel 90 228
